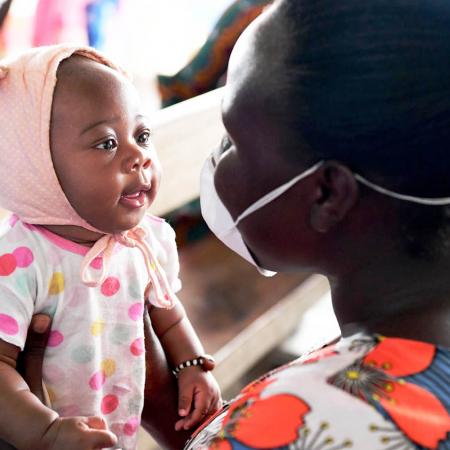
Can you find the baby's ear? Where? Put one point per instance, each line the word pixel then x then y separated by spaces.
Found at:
pixel 337 194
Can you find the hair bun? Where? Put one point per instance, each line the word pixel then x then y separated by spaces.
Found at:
pixel 3 71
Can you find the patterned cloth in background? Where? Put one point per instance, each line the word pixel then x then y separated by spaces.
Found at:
pixel 204 71
pixel 364 393
pixel 58 21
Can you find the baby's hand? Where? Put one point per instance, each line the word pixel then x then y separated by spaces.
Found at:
pixel 198 396
pixel 78 433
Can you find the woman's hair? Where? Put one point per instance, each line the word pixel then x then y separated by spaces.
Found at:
pixel 367 82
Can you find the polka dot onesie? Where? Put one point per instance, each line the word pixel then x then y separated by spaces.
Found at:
pixel 94 363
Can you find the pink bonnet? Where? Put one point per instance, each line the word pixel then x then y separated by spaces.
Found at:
pixel 28 183
pixel 29 186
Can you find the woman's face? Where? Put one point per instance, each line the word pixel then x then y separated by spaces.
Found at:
pixel 252 162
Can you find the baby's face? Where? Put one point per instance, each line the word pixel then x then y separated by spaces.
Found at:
pixel 100 145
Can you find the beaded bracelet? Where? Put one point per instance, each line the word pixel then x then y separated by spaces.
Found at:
pixel 206 362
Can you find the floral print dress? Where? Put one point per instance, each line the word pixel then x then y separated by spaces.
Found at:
pixel 365 393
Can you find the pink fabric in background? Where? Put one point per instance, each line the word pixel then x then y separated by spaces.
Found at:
pixel 28 183
pixel 58 21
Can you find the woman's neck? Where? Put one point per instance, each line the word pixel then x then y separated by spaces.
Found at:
pixel 75 234
pixel 403 301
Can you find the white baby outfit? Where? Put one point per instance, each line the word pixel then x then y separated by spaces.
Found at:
pixel 94 363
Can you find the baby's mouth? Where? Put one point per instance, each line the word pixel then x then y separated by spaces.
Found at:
pixel 136 198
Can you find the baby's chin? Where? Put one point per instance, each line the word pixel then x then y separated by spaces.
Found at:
pixel 120 224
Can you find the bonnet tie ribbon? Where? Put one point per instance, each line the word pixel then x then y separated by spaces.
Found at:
pixel 164 297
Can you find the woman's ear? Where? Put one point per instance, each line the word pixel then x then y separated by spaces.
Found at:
pixel 337 191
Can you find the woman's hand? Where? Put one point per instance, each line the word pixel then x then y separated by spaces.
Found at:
pixel 29 362
pixel 161 394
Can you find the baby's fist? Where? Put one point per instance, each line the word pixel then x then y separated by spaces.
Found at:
pixel 78 433
pixel 198 396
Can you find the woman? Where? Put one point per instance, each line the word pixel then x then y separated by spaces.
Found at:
pixel 347 104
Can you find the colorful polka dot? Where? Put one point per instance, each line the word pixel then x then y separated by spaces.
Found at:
pixel 134 289
pixel 24 256
pixel 97 328
pixel 56 284
pixel 120 334
pixel 108 367
pixel 21 284
pixel 110 403
pixel 135 311
pixel 8 325
pixel 83 354
pixel 97 380
pixel 137 347
pixel 8 264
pixel 97 263
pixel 55 338
pixel 110 286
pixel 131 426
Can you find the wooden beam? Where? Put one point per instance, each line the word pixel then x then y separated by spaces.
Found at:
pixel 267 332
pixel 184 135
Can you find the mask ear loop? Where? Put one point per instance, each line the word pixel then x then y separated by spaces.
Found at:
pixel 271 196
pixel 408 198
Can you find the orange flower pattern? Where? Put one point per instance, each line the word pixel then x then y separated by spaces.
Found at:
pixel 366 392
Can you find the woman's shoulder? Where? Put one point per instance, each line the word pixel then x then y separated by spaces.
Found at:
pixel 354 393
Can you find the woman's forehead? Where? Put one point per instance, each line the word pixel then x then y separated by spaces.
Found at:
pixel 256 66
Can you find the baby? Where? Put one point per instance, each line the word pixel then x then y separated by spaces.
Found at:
pixel 78 170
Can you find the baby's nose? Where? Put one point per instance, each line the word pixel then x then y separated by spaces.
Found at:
pixel 143 163
pixel 137 160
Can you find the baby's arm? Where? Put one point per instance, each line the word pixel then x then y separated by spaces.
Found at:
pixel 199 394
pixel 27 424
pixel 177 336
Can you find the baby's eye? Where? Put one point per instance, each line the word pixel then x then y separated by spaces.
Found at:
pixel 144 137
pixel 109 144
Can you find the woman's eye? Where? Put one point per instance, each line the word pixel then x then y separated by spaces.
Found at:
pixel 144 138
pixel 225 144
pixel 109 144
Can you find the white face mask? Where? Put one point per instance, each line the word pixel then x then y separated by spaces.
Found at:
pixel 221 223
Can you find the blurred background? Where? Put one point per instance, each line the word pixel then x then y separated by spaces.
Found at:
pixel 148 37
